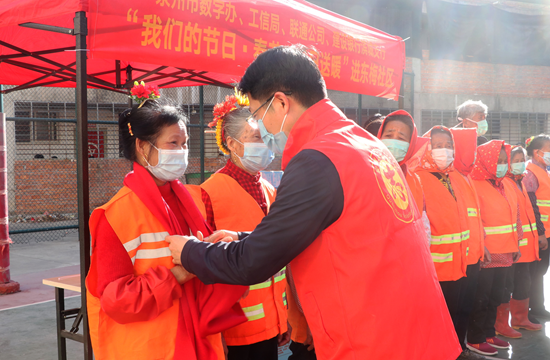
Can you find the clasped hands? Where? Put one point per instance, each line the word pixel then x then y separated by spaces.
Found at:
pixel 177 242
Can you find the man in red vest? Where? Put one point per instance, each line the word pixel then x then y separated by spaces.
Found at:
pixel 344 219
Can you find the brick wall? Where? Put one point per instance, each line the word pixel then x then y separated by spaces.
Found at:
pixel 45 185
pixel 456 77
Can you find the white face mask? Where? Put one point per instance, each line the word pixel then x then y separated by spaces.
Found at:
pixel 256 157
pixel 443 157
pixel 171 166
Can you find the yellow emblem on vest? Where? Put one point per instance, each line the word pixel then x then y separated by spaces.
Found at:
pixel 391 182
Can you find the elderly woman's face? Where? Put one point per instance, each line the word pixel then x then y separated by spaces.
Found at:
pixel 172 137
pixel 502 157
pixel 251 134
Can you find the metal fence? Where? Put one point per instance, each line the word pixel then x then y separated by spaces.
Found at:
pixel 41 132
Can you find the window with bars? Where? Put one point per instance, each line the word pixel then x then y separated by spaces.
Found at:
pixel 513 127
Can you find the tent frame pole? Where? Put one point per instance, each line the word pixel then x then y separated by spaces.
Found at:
pixel 201 102
pixel 83 185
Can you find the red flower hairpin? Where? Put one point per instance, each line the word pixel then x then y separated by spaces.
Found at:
pixel 140 93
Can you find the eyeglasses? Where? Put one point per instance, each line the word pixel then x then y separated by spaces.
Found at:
pixel 253 116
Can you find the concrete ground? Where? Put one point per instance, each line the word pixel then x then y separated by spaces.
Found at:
pixel 27 319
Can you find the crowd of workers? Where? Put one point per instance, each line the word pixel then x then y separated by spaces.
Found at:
pixel 401 247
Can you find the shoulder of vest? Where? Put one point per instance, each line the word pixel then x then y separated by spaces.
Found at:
pixel 121 194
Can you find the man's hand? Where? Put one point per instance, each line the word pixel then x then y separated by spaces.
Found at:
pixel 182 275
pixel 543 242
pixel 309 340
pixel 283 339
pixel 176 243
pixel 516 256
pixel 486 256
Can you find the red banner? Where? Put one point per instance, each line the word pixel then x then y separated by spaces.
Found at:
pixel 225 36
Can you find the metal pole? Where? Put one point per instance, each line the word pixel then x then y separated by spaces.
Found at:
pixel 201 102
pixel 359 109
pixel 401 101
pixel 80 32
pixel 129 81
pixel 6 285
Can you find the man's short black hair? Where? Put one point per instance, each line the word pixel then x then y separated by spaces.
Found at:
pixel 285 68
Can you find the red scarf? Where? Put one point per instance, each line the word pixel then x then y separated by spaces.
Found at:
pixel 204 309
pixel 485 167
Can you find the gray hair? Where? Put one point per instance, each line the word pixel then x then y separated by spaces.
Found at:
pixel 235 122
pixel 469 108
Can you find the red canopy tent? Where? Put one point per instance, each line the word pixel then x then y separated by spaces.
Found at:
pixel 176 43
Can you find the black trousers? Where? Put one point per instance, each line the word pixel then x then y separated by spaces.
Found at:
pixel 454 293
pixel 490 293
pixel 538 270
pixel 518 282
pixel 300 352
pixel 467 298
pixel 266 349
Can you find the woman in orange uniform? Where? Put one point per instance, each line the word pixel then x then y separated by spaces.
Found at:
pixel 448 198
pixel 141 306
pixel 398 132
pixel 500 216
pixel 537 184
pixel 237 198
pixel 518 282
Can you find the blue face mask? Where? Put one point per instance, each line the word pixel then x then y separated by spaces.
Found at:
pixel 518 168
pixel 256 157
pixel 398 148
pixel 502 169
pixel 546 158
pixel 277 142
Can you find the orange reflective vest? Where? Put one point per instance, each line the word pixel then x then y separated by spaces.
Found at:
pixel 370 272
pixel 529 243
pixel 144 242
pixel 448 231
pixel 543 194
pixel 499 216
pixel 266 304
pixel 469 211
pixel 416 189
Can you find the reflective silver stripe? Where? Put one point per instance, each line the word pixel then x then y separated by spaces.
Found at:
pixel 152 253
pixel 523 242
pixel 254 312
pixel 261 285
pixel 280 275
pixel 439 258
pixel 145 238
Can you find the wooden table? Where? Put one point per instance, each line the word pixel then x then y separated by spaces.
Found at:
pixel 70 282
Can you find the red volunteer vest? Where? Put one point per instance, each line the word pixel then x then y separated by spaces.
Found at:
pixel 369 276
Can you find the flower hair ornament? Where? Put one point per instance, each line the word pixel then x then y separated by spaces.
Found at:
pixel 221 110
pixel 528 140
pixel 140 93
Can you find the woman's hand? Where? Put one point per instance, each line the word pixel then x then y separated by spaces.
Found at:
pixel 181 275
pixel 283 339
pixel 486 256
pixel 543 242
pixel 516 256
